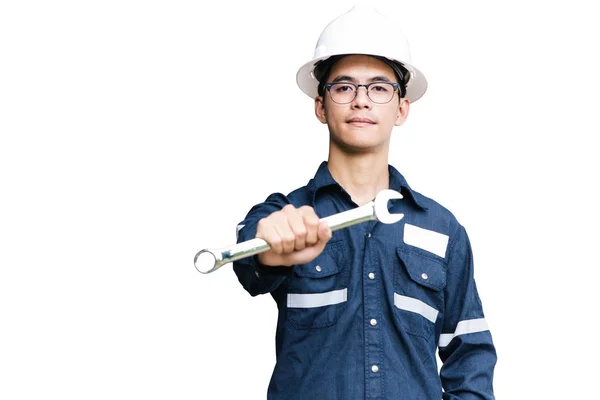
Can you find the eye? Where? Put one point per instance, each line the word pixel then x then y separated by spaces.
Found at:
pixel 341 88
pixel 380 87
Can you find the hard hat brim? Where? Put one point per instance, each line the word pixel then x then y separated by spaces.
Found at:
pixel 305 78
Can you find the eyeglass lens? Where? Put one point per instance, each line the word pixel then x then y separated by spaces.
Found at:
pixel 378 92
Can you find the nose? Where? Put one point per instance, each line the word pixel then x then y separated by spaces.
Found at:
pixel 361 100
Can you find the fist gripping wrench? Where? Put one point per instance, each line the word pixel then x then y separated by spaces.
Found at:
pixel 209 260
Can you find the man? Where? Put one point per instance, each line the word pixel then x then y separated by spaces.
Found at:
pixel 363 310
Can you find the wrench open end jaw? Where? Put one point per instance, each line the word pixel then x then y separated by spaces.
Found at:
pixel 381 206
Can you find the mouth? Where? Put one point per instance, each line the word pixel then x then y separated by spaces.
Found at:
pixel 359 121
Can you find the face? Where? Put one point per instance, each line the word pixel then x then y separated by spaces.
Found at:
pixel 361 125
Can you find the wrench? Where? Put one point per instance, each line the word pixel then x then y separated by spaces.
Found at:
pixel 209 260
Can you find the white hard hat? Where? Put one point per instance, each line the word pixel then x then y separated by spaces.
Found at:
pixel 363 30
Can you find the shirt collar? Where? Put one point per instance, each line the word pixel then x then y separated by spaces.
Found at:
pixel 324 179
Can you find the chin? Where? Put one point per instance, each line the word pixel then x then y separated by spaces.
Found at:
pixel 358 140
pixel 357 146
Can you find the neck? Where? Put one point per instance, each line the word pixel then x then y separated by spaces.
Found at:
pixel 361 175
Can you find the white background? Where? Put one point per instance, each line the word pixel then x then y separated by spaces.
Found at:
pixel 135 133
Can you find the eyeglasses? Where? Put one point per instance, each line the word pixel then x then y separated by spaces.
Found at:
pixel 378 92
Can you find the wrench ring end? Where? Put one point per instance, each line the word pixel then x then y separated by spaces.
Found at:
pixel 205 262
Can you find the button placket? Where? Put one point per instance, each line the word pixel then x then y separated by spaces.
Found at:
pixel 372 312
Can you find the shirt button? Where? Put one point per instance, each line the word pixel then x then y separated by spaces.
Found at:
pixel 374 368
pixel 318 268
pixel 373 322
pixel 369 234
pixel 371 275
pixel 424 275
pixel 257 274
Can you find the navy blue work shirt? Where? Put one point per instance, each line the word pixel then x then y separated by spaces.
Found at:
pixel 364 319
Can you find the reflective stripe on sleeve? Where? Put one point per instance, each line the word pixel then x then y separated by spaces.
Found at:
pixel 463 328
pixel 310 300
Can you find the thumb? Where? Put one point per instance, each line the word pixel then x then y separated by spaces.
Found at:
pixel 324 233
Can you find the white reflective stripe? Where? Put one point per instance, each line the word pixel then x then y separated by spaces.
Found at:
pixel 238 229
pixel 310 300
pixel 433 242
pixel 463 328
pixel 416 306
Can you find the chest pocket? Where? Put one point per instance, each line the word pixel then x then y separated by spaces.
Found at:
pixel 418 292
pixel 318 290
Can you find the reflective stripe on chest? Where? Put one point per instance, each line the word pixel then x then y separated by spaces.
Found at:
pixel 431 241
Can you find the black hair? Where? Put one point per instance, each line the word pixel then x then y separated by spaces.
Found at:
pixel 323 68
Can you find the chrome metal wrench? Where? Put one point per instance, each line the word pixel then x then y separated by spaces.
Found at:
pixel 209 260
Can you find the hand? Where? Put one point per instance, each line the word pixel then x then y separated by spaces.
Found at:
pixel 295 235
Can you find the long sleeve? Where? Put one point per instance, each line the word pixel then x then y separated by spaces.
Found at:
pixel 254 277
pixel 465 344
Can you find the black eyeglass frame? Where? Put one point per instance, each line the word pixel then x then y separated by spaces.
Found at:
pixel 328 86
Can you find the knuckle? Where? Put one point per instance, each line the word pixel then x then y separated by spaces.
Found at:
pixel 312 239
pixel 310 217
pixel 301 232
pixel 313 222
pixel 276 244
pixel 288 208
pixel 289 239
pixel 308 211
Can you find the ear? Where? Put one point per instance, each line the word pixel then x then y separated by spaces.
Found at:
pixel 320 109
pixel 402 114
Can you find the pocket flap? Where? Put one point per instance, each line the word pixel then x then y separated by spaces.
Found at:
pixel 328 263
pixel 423 270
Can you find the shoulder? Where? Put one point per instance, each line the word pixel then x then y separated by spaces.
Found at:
pixel 434 224
pixel 434 208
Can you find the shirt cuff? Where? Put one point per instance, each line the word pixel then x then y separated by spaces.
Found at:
pixel 261 270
